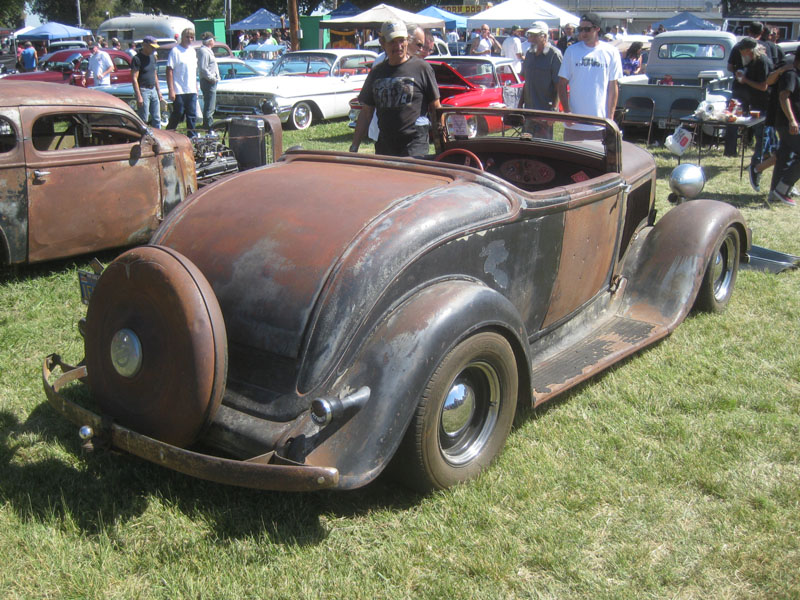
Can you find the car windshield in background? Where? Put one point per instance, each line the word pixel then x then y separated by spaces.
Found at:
pixel 65 64
pixel 688 51
pixel 235 70
pixel 303 64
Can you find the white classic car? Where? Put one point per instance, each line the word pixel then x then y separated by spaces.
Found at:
pixel 303 86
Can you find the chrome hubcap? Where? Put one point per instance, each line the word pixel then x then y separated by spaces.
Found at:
pixel 722 269
pixel 126 353
pixel 301 115
pixel 469 413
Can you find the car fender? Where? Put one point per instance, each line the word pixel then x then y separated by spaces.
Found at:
pixel 664 267
pixel 396 362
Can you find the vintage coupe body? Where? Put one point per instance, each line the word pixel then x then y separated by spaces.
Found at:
pixel 80 172
pixel 303 87
pixel 308 322
pixel 71 66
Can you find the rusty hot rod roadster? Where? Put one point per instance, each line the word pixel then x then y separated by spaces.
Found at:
pixel 302 325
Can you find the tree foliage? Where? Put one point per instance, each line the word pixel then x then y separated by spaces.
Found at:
pixel 12 13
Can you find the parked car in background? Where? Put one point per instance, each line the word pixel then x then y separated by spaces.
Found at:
pixel 72 65
pixel 479 81
pixel 262 57
pixel 80 172
pixel 304 86
pixel 229 69
pixel 299 326
pixel 691 64
pixel 220 49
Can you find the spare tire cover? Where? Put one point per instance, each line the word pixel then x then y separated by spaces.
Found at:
pixel 180 360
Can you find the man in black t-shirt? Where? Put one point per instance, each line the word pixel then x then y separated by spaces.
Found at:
pixel 396 90
pixel 145 83
pixel 787 169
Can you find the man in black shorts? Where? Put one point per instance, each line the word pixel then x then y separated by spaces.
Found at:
pixel 145 83
pixel 397 90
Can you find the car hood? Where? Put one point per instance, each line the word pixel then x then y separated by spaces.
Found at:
pixel 283 85
pixel 447 75
pixel 293 267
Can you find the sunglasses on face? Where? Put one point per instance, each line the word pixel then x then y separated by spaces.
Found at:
pixel 419 44
pixel 586 29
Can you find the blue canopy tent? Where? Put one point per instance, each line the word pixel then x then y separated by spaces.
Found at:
pixel 451 20
pixel 261 19
pixel 345 9
pixel 685 20
pixel 53 31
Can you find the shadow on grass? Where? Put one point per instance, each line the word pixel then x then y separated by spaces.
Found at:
pixel 748 200
pixel 95 491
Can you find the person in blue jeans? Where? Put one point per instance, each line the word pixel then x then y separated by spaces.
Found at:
pixel 758 68
pixel 145 83
pixel 787 168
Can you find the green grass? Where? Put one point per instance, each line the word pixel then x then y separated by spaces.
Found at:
pixel 675 474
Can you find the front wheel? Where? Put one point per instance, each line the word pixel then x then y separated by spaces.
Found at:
pixel 464 416
pixel 302 115
pixel 720 276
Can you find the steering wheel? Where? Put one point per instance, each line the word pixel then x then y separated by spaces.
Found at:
pixel 469 157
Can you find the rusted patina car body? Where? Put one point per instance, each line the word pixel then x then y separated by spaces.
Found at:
pixel 80 172
pixel 331 312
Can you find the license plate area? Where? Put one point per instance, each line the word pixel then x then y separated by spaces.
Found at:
pixel 87 281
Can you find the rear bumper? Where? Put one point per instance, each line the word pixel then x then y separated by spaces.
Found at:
pixel 257 472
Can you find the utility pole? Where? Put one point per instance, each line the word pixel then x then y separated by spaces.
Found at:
pixel 294 24
pixel 78 3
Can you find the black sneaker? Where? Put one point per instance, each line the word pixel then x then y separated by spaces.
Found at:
pixel 755 178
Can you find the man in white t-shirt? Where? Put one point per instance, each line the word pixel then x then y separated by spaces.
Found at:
pixel 182 82
pixel 100 65
pixel 512 48
pixel 591 69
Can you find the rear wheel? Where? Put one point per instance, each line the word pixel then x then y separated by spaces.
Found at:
pixel 720 276
pixel 463 417
pixel 302 115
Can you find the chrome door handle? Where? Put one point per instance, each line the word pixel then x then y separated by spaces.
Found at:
pixel 40 174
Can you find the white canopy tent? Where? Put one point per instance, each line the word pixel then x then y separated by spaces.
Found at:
pixel 374 18
pixel 522 13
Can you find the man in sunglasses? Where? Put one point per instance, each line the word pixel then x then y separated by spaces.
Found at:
pixel 587 79
pixel 397 90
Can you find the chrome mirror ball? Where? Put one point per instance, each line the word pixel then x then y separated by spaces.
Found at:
pixel 686 182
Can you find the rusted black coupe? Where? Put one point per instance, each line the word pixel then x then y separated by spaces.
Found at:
pixel 302 325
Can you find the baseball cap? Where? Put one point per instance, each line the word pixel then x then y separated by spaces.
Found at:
pixel 150 40
pixel 537 28
pixel 391 30
pixel 592 17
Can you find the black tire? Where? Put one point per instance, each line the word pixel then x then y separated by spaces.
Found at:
pixel 719 278
pixel 449 442
pixel 302 116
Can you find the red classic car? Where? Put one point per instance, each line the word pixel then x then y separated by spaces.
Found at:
pixel 467 81
pixel 59 67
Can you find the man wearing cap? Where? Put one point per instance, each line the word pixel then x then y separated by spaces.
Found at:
pixel 512 48
pixel 591 69
pixel 541 66
pixel 209 76
pixel 100 65
pixel 145 83
pixel 397 89
pixel 182 82
pixel 484 43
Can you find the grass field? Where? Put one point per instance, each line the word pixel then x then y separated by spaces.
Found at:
pixel 675 474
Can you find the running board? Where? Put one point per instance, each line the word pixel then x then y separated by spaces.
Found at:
pixel 603 347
